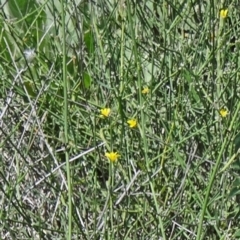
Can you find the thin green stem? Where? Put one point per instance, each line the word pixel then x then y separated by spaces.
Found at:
pixel 143 121
pixel 220 55
pixel 213 175
pixel 65 116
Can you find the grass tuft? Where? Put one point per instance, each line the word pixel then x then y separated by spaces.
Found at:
pixel 119 120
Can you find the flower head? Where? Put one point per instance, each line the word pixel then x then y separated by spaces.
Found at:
pixel 223 112
pixel 105 112
pixel 223 13
pixel 30 55
pixel 145 90
pixel 112 156
pixel 132 123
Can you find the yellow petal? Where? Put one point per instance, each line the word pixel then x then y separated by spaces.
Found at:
pixel 112 156
pixel 223 13
pixel 223 112
pixel 132 123
pixel 145 90
pixel 105 112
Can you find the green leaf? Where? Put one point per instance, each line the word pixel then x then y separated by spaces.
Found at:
pixel 189 77
pixel 30 17
pixel 29 87
pixel 237 233
pixel 5 38
pixel 89 41
pixel 237 142
pixel 236 183
pixel 19 8
pixel 87 80
pixel 234 192
pixel 235 188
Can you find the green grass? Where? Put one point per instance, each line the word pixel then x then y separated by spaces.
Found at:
pixel 178 173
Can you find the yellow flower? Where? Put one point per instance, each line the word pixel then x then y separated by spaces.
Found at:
pixel 223 112
pixel 132 123
pixel 145 90
pixel 223 13
pixel 105 112
pixel 112 156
